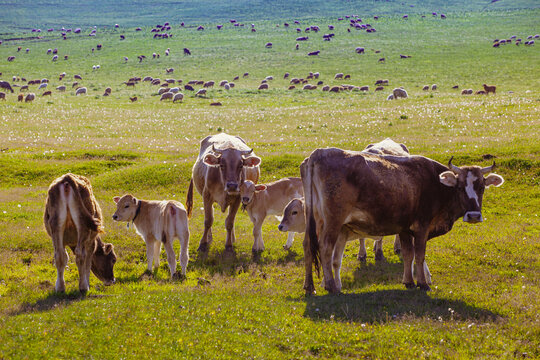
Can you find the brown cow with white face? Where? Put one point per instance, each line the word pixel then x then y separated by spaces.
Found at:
pixel 379 195
pixel 223 164
pixel 73 218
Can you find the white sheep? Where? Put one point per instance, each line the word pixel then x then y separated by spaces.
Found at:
pixel 178 97
pixel 167 95
pixel 399 93
pixel 80 91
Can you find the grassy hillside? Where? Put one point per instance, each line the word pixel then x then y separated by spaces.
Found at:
pixel 486 277
pixel 57 13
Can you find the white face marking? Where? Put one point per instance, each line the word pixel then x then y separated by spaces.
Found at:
pixel 470 188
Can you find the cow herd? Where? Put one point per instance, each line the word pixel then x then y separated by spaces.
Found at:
pixel 341 196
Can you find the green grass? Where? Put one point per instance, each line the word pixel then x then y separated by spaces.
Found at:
pixel 484 302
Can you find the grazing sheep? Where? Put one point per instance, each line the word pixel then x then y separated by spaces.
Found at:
pixel 126 59
pixel 326 88
pixel 335 89
pixel 108 90
pixel 404 56
pixel 245 75
pixel 231 85
pixel 29 97
pixel 455 87
pixel 434 87
pixel 390 97
pixel 297 46
pixel 163 90
pixel 286 75
pixel 236 78
pixel 268 45
pixel 364 88
pixel 20 98
pixel 175 90
pixel 379 88
pixel 348 76
pixel 489 88
pixel 291 87
pixel 426 88
pixel 314 53
pixel 309 87
pixel 3 95
pixel 217 103
pixel 480 92
pixel 76 76
pixel 360 50
pixel 178 97
pixel 187 51
pixel 47 93
pixel 133 99
pixel 42 86
pixel 80 91
pixel 263 87
pixel 223 82
pixel 189 87
pixel 66 57
pixel 10 58
pixel 381 60
pixel 6 85
pixel 338 76
pixel 170 70
pixel 55 57
pixel 166 95
pixel 201 92
pixel 24 87
pixel 400 93
pixel 209 84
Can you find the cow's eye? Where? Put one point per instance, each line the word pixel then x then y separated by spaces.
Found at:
pixel 295 212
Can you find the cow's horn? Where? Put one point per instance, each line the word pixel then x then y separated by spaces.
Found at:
pixel 216 150
pixel 488 169
pixel 453 167
pixel 246 152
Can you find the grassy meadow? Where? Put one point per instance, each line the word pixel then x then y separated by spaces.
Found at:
pixel 486 277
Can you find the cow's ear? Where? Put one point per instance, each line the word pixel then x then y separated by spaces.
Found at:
pixel 252 161
pixel 116 199
pixel 448 178
pixel 260 187
pixel 211 160
pixel 493 179
pixel 107 248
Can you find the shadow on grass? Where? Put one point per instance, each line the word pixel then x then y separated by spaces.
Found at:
pixel 380 272
pixel 387 305
pixel 53 300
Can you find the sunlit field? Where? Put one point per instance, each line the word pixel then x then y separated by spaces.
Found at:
pixel 486 277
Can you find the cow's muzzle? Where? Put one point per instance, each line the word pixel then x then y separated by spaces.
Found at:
pixel 232 188
pixel 281 227
pixel 473 217
pixel 115 217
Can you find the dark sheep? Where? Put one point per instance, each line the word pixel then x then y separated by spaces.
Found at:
pixel 187 51
pixel 6 85
pixel 314 53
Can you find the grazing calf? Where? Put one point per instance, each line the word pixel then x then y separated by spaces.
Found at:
pixel 263 200
pixel 490 89
pixel 157 222
pixel 73 218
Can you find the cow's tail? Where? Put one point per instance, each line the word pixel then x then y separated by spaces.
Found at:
pixel 189 200
pixel 88 219
pixel 311 226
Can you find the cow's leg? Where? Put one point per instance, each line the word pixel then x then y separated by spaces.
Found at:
pixel 427 273
pixel 420 239
pixel 149 252
pixel 408 256
pixel 397 245
pixel 378 249
pixel 362 253
pixel 206 239
pixel 290 239
pixel 157 253
pixel 336 260
pixel 229 223
pixel 84 262
pixel 184 249
pixel 258 244
pixel 60 260
pixel 171 257
pixel 327 245
pixel 56 224
pixel 308 263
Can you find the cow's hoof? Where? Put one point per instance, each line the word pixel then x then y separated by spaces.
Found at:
pixel 424 287
pixel 179 276
pixel 83 291
pixel 203 247
pixel 379 256
pixel 410 285
pixel 362 258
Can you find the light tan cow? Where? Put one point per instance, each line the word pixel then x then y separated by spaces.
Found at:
pixel 157 222
pixel 262 200
pixel 73 218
